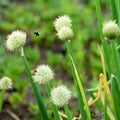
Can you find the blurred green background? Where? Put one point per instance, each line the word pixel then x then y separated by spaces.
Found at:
pixel 38 15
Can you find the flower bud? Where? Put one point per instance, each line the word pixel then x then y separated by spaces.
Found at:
pixel 5 83
pixel 15 40
pixel 43 74
pixel 62 21
pixel 60 95
pixel 111 30
pixel 65 33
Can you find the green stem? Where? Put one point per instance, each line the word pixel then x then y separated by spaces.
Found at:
pixel 80 100
pixel 2 99
pixel 104 42
pixel 115 4
pixel 54 107
pixel 35 88
pixel 116 62
pixel 118 9
pixel 114 10
pixel 68 113
pixel 78 80
pixel 116 98
pixel 99 16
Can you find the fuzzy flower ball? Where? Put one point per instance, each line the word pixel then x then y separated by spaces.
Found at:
pixel 43 74
pixel 15 40
pixel 111 30
pixel 60 95
pixel 5 83
pixel 65 33
pixel 62 21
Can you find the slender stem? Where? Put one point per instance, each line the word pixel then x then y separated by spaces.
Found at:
pixel 2 99
pixel 116 98
pixel 117 10
pixel 115 4
pixel 68 113
pixel 80 100
pixel 99 15
pixel 104 79
pixel 78 80
pixel 35 88
pixel 116 61
pixel 54 107
pixel 114 10
pixel 104 42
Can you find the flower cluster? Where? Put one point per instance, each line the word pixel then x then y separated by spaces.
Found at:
pixel 111 30
pixel 63 27
pixel 43 74
pixel 60 95
pixel 15 40
pixel 5 83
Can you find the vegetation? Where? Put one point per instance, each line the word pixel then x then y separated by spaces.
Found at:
pixel 94 33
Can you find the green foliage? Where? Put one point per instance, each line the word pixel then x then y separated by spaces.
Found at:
pixel 33 108
pixel 54 59
pixel 33 54
pixel 38 15
pixel 15 99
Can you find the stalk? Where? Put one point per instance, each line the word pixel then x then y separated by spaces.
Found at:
pixel 104 42
pixel 104 79
pixel 114 10
pixel 2 99
pixel 54 107
pixel 116 61
pixel 80 100
pixel 68 113
pixel 117 10
pixel 35 88
pixel 78 80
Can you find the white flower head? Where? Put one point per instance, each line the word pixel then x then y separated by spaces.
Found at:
pixel 65 33
pixel 62 21
pixel 5 83
pixel 110 30
pixel 60 95
pixel 43 74
pixel 15 40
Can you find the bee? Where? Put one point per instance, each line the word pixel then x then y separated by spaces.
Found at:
pixel 36 33
pixel 34 71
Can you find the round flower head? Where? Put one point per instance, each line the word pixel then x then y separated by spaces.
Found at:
pixel 6 83
pixel 60 95
pixel 62 21
pixel 111 30
pixel 43 74
pixel 65 33
pixel 15 40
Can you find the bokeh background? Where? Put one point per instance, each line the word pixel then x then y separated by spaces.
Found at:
pixel 38 15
